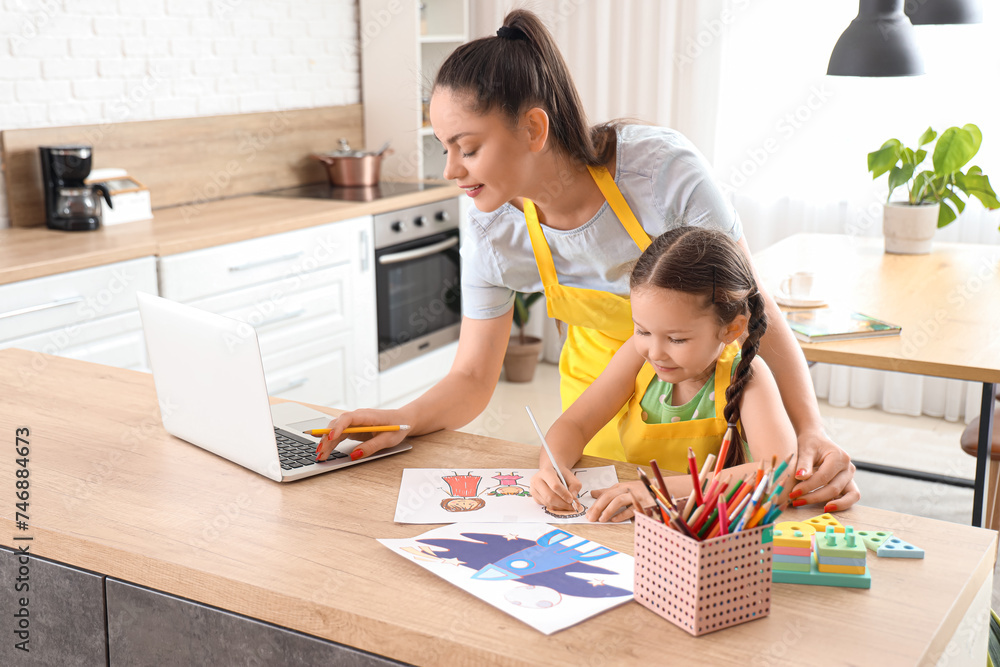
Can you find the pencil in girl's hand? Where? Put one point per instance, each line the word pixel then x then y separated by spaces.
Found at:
pixel 317 432
pixel 552 459
pixel 695 480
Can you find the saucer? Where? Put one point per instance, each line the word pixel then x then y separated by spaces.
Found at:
pixel 791 302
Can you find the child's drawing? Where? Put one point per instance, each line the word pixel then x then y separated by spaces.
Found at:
pixel 432 495
pixel 546 577
pixel 463 490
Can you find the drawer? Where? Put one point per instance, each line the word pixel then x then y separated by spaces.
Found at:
pixel 53 302
pixel 271 305
pixel 289 256
pixel 322 380
pixel 115 341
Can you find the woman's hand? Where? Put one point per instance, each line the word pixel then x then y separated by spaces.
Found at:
pixel 548 490
pixel 615 503
pixel 825 473
pixel 372 442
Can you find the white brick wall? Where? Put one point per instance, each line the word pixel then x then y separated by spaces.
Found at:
pixel 74 62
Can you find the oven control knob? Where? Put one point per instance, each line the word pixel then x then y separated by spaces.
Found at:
pixel 442 216
pixel 420 220
pixel 397 226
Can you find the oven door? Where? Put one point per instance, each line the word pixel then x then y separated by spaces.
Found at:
pixel 419 297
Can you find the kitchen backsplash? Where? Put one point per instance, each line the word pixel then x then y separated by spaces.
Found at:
pixel 72 62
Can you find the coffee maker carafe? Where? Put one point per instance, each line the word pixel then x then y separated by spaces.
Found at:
pixel 70 203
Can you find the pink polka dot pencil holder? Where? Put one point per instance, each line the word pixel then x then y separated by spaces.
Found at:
pixel 704 586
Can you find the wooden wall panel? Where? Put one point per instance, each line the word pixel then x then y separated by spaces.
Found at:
pixel 187 160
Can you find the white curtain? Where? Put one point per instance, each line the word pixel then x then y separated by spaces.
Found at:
pixel 746 82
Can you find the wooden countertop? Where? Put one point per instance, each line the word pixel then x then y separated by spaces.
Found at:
pixel 113 493
pixel 34 252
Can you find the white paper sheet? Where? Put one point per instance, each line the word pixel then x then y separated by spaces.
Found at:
pixel 446 495
pixel 539 574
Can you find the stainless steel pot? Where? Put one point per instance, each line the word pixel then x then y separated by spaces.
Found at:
pixel 350 168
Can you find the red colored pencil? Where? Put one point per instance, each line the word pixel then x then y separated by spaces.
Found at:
pixel 723 518
pixel 696 483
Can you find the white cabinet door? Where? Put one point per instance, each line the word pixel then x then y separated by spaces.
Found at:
pixel 283 259
pixel 64 300
pixel 310 297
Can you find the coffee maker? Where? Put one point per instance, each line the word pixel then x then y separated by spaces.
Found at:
pixel 70 204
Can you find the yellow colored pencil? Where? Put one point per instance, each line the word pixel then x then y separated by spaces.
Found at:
pixel 316 432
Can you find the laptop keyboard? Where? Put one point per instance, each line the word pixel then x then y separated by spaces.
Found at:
pixel 295 451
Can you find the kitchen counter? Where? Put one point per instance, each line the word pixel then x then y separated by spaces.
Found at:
pixel 35 252
pixel 115 495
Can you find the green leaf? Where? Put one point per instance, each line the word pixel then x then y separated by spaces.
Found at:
pixel 899 176
pixel 921 154
pixel 927 137
pixel 978 186
pixel 918 191
pixel 977 137
pixel 946 216
pixel 974 171
pixel 908 156
pixel 953 196
pixel 953 150
pixel 883 159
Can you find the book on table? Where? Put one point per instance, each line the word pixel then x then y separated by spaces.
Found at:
pixel 817 325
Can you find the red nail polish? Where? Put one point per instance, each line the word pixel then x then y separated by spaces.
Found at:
pixel 800 472
pixel 357 454
pixel 830 508
pixel 795 494
pixel 798 503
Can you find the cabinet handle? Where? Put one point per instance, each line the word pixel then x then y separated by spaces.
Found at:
pixel 265 262
pixel 364 251
pixel 45 306
pixel 288 387
pixel 417 253
pixel 281 318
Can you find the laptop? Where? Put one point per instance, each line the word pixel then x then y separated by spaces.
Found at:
pixel 210 385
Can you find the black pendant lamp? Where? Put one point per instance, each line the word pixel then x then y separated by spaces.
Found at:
pixel 879 42
pixel 944 12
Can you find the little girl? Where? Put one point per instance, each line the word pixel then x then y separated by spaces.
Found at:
pixel 684 377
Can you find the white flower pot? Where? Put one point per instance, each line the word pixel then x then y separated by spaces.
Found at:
pixel 909 230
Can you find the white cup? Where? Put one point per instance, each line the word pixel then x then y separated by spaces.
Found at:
pixel 799 285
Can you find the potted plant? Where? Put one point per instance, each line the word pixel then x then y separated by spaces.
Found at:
pixel 522 351
pixel 932 194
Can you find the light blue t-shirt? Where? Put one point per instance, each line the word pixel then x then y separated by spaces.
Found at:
pixel 666 182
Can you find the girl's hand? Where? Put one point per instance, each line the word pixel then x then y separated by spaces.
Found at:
pixel 548 490
pixel 615 503
pixel 371 442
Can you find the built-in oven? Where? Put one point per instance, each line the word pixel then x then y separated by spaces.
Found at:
pixel 417 281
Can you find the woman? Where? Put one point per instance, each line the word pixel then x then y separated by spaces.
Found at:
pixel 558 207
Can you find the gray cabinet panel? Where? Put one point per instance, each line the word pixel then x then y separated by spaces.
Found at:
pixel 146 627
pixel 66 617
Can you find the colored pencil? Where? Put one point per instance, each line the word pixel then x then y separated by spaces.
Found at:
pixel 720 462
pixel 637 505
pixel 316 432
pixel 706 468
pixel 723 519
pixel 695 480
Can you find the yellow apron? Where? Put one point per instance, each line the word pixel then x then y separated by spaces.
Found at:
pixel 668 443
pixel 599 322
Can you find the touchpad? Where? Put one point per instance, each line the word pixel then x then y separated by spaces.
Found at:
pixel 309 424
